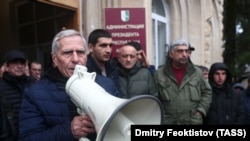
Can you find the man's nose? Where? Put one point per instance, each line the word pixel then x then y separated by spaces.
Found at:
pixel 109 49
pixel 75 57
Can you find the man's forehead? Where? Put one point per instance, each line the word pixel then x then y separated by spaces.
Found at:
pixel 127 48
pixel 181 47
pixel 129 52
pixel 72 48
pixel 220 71
pixel 104 40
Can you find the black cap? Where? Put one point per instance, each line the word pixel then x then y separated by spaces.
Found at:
pixel 13 55
pixel 191 48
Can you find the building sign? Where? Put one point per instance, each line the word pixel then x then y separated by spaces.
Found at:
pixel 126 24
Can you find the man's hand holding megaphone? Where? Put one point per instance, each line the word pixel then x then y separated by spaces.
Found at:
pixel 81 126
pixel 113 123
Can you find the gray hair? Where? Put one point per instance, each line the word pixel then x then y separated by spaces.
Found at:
pixel 63 34
pixel 178 42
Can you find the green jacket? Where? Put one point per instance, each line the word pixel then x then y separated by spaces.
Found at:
pixel 182 102
pixel 137 81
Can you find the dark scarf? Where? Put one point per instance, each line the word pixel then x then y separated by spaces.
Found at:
pixel 129 72
pixel 55 75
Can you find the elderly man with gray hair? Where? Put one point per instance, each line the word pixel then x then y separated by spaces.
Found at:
pixel 47 112
pixel 184 93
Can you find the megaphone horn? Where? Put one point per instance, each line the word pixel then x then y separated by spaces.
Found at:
pixel 112 116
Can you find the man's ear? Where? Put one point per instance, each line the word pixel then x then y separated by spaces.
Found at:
pixel 53 57
pixel 90 47
pixel 170 54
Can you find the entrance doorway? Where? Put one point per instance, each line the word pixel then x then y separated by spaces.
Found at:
pixel 34 24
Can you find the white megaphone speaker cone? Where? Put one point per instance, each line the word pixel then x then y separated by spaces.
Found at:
pixel 111 116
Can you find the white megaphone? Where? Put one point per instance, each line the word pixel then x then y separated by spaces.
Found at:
pixel 112 116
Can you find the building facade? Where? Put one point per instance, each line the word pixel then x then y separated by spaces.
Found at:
pixel 31 25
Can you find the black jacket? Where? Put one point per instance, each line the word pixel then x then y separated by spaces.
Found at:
pixel 111 71
pixel 227 106
pixel 7 127
pixel 11 90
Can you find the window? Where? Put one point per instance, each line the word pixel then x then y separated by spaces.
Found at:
pixel 36 27
pixel 160 31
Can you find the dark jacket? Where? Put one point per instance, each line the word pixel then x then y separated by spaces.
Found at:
pixel 46 111
pixel 7 127
pixel 111 71
pixel 11 89
pixel 227 106
pixel 108 84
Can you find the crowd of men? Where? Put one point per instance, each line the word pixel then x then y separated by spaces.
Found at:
pixel 35 105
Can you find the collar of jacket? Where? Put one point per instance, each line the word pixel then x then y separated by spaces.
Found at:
pixel 93 67
pixel 132 71
pixel 189 68
pixel 55 75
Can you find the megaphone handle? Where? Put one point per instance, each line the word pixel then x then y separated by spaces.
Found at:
pixel 81 112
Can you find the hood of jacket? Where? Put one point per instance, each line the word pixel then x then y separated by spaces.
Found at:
pixel 214 68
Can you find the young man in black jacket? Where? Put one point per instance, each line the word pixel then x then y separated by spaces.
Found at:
pixel 100 52
pixel 227 106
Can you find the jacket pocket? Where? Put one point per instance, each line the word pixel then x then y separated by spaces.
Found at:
pixel 164 92
pixel 195 94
